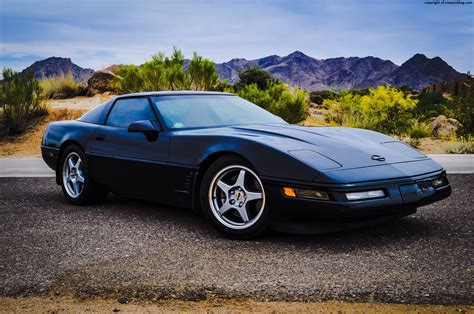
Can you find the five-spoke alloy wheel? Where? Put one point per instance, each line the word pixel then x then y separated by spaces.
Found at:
pixel 73 175
pixel 76 182
pixel 235 200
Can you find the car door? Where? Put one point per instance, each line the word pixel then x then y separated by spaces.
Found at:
pixel 130 163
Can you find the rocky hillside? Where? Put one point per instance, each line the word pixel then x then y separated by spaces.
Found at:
pixel 55 66
pixel 303 71
pixel 420 71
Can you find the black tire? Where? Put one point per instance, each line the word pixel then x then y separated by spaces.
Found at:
pixel 91 192
pixel 261 221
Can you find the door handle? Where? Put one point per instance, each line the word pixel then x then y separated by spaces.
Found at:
pixel 99 137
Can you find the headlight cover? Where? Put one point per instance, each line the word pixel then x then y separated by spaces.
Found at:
pixel 356 196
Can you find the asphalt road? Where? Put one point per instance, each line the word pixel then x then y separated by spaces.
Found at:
pixel 35 167
pixel 141 250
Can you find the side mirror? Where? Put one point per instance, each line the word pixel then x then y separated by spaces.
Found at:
pixel 146 127
pixel 143 126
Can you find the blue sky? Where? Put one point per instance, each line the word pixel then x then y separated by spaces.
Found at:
pixel 100 33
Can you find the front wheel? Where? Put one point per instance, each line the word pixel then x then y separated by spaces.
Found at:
pixel 76 182
pixel 233 199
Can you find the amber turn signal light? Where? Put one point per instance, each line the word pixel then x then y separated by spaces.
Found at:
pixel 290 192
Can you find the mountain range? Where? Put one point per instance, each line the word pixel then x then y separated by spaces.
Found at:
pixel 308 73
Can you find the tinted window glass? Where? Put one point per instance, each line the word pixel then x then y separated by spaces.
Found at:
pixel 94 115
pixel 191 111
pixel 126 111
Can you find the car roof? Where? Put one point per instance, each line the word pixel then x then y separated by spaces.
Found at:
pixel 175 93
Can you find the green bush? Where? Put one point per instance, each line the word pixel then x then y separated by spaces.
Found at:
pixel 462 109
pixel 257 96
pixel 128 79
pixel 20 100
pixel 318 97
pixel 430 104
pixel 62 86
pixel 254 75
pixel 384 109
pixel 291 106
pixel 419 130
pixel 168 73
pixel 202 73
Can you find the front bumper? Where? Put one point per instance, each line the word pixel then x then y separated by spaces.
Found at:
pixel 50 156
pixel 402 197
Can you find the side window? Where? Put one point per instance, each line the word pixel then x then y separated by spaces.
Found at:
pixel 126 111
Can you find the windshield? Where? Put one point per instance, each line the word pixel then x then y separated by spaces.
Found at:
pixel 192 111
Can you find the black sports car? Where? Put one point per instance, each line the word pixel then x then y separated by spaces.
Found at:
pixel 243 167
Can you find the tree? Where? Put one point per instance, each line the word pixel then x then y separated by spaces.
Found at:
pixel 169 73
pixel 202 73
pixel 254 75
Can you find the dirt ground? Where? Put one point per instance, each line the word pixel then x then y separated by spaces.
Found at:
pixel 57 305
pixel 28 143
pixel 83 102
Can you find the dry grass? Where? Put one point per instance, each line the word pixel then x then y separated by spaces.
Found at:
pixel 56 305
pixel 28 143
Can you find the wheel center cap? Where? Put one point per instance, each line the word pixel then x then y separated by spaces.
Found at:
pixel 237 197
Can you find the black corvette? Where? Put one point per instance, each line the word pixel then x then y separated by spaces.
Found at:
pixel 243 167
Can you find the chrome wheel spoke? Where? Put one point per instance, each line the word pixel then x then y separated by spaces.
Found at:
pixel 223 186
pixel 70 164
pixel 243 214
pixel 80 177
pixel 225 208
pixel 252 196
pixel 76 187
pixel 240 179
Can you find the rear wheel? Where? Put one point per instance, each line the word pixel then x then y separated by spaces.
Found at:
pixel 233 199
pixel 76 182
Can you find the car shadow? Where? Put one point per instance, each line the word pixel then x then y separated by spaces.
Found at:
pixel 403 230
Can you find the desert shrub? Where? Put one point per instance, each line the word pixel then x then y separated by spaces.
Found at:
pixel 257 96
pixel 292 106
pixel 384 109
pixel 360 91
pixel 202 73
pixel 128 79
pixel 430 104
pixel 168 73
pixel 254 75
pixel 419 130
pixel 413 142
pixel 318 97
pixel 20 100
pixel 62 86
pixel 463 146
pixel 462 109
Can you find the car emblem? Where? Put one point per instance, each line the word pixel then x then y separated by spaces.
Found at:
pixel 378 158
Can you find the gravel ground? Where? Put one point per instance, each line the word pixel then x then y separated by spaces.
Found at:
pixel 80 102
pixel 138 250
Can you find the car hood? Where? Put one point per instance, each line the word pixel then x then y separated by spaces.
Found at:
pixel 346 147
